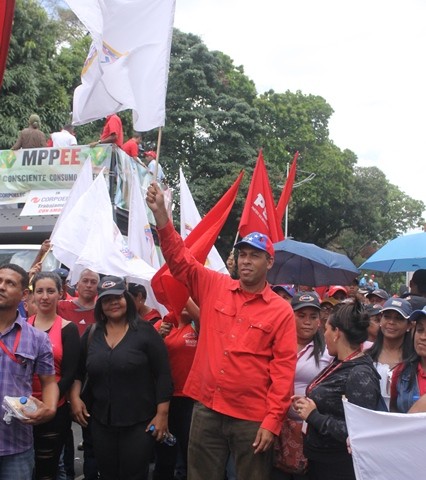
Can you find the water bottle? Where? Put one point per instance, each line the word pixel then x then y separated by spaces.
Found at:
pixel 28 405
pixel 169 439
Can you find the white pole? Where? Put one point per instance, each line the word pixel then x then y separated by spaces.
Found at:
pixel 286 211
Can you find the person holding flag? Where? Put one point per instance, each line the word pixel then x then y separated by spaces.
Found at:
pixel 243 372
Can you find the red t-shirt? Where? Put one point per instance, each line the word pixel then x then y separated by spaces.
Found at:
pixel 113 125
pixel 131 148
pixel 181 344
pixel 72 311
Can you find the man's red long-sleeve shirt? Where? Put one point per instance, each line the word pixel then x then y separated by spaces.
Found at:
pixel 246 355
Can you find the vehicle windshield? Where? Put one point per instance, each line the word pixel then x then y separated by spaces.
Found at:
pixel 25 258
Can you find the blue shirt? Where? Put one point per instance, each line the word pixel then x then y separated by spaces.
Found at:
pixel 34 354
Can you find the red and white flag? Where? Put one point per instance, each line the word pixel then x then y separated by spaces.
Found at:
pixel 259 214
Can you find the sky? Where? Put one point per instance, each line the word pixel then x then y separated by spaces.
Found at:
pixel 366 58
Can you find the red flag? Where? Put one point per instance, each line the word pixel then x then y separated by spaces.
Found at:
pixel 6 18
pixel 288 188
pixel 169 291
pixel 259 214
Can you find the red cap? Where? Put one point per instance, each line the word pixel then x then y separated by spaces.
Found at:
pixel 335 288
pixel 150 153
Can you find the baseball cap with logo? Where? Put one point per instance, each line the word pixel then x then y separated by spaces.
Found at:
pixel 111 285
pixel 400 305
pixel 257 240
pixel 305 299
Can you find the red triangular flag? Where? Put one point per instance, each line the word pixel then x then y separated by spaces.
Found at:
pixel 287 189
pixel 259 214
pixel 169 291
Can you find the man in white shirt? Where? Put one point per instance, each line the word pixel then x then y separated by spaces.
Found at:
pixel 65 138
pixel 149 158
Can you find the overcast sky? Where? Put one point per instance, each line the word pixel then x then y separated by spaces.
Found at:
pixel 366 58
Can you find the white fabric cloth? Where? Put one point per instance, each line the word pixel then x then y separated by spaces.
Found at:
pixel 63 139
pixel 189 218
pixel 385 373
pixel 128 62
pixel 89 238
pixel 386 446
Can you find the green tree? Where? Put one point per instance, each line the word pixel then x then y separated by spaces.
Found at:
pixel 212 128
pixel 30 84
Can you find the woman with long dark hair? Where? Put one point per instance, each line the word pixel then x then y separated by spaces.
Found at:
pixel 393 344
pixel 49 438
pixel 312 358
pixel 408 389
pixel 129 381
pixel 352 374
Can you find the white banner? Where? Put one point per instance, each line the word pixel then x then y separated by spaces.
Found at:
pixel 45 202
pixel 386 446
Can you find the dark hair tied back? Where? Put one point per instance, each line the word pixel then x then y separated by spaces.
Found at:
pixel 352 319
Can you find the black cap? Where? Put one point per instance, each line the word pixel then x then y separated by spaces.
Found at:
pixel 305 299
pixel 111 285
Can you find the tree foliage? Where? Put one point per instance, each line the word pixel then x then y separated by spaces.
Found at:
pixel 216 122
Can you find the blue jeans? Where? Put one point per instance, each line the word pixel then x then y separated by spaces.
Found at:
pixel 18 466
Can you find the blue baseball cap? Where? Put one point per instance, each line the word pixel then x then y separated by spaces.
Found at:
pixel 257 240
pixel 400 305
pixel 289 289
pixel 418 314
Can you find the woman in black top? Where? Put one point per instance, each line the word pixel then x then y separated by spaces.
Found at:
pixel 130 382
pixel 352 374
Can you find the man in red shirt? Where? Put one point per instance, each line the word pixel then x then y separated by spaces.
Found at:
pixel 80 310
pixel 131 147
pixel 112 132
pixel 243 371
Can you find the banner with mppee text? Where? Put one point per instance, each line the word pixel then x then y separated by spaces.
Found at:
pixel 46 169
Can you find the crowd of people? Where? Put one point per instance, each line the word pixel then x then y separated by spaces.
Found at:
pixel 245 383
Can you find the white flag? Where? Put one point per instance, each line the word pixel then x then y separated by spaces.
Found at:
pixel 189 218
pixel 81 185
pixel 386 446
pixel 140 238
pixel 128 62
pixel 90 239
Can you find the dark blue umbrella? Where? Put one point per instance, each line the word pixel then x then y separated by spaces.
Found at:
pixel 402 254
pixel 306 264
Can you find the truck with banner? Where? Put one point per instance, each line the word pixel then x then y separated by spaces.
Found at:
pixel 35 184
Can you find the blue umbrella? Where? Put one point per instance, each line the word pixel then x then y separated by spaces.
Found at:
pixel 307 264
pixel 402 254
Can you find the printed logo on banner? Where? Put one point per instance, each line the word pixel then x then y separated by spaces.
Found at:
pixel 7 158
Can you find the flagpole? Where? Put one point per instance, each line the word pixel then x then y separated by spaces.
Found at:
pixel 286 211
pixel 160 130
